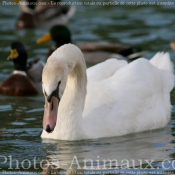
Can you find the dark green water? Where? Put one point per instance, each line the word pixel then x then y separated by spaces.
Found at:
pixel 22 149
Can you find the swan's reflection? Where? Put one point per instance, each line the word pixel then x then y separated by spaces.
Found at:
pixel 86 155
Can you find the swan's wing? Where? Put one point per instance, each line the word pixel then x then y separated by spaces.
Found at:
pixel 134 99
pixel 104 70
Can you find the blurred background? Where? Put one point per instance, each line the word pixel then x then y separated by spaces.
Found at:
pixel 152 27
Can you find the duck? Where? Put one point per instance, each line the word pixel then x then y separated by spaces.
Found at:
pixel 38 14
pixel 94 52
pixel 123 99
pixel 26 78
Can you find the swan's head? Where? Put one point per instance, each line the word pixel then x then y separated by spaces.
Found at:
pixel 54 80
pixel 54 77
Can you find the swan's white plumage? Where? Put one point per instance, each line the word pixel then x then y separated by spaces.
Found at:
pixel 105 69
pixel 121 98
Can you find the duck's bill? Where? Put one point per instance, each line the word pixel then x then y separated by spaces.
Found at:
pixel 13 54
pixel 45 38
pixel 50 114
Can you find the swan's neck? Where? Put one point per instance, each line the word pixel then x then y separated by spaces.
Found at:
pixel 69 118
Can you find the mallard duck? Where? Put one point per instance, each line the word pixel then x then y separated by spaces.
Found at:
pixel 39 13
pixel 112 98
pixel 94 52
pixel 26 77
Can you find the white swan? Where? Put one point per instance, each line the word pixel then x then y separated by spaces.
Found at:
pixel 121 98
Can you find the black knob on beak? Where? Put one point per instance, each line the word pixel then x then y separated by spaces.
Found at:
pixel 48 129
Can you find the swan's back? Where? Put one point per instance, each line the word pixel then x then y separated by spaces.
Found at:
pixel 105 69
pixel 135 98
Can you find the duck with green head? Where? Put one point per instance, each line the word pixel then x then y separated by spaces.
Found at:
pixel 26 77
pixel 94 52
pixel 59 34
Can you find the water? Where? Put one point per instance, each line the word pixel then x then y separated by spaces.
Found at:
pixel 21 148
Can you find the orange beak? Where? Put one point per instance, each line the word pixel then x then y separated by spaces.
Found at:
pixel 45 38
